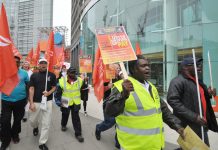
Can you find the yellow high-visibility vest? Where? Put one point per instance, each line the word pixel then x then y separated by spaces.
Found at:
pixel 71 91
pixel 140 126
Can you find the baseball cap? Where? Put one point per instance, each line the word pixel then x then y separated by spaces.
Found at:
pixel 71 70
pixel 190 61
pixel 42 60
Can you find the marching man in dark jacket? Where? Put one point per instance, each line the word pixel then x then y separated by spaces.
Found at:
pixel 139 112
pixel 182 97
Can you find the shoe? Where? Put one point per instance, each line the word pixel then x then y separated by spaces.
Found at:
pixel 43 147
pixel 117 146
pixel 97 134
pixel 24 119
pixel 16 139
pixel 85 113
pixel 3 147
pixel 63 128
pixel 35 131
pixel 80 138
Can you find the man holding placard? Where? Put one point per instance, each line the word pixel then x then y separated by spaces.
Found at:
pixel 139 111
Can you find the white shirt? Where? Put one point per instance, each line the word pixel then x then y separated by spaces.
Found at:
pixel 29 73
pixel 64 74
pixel 146 86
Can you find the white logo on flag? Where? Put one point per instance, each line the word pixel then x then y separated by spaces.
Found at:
pixel 4 41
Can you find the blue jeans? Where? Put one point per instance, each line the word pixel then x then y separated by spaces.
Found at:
pixel 106 124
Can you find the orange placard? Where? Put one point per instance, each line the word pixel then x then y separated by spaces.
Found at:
pixel 114 45
pixel 85 64
pixel 110 72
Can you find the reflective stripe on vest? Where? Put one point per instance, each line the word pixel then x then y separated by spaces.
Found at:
pixel 65 85
pixel 71 91
pixel 140 126
pixel 139 131
pixel 141 111
pixel 76 97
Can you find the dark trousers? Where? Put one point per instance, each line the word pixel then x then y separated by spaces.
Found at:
pixel 75 118
pixel 84 105
pixel 65 115
pixel 206 139
pixel 9 108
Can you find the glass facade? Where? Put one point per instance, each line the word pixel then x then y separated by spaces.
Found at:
pixel 24 17
pixel 11 9
pixel 167 31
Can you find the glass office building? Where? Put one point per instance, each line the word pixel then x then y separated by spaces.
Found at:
pixel 167 31
pixel 25 17
pixel 11 9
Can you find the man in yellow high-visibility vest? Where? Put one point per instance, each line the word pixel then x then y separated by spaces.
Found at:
pixel 139 111
pixel 69 89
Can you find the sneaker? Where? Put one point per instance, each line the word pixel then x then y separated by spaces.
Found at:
pixel 43 147
pixel 63 128
pixel 16 139
pixel 80 138
pixel 35 131
pixel 24 119
pixel 85 113
pixel 97 134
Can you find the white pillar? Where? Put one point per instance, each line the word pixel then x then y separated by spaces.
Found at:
pixel 171 41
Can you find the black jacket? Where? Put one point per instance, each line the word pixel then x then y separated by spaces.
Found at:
pixel 116 103
pixel 182 97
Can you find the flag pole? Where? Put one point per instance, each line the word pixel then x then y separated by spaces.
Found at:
pixel 125 75
pixel 199 100
pixel 46 79
pixel 213 102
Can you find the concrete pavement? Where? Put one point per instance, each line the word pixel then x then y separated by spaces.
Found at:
pixel 59 140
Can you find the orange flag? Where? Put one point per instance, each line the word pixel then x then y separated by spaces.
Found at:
pixel 36 56
pixel 137 49
pixel 15 51
pixel 50 53
pixel 98 76
pixel 59 52
pixel 30 56
pixel 8 68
